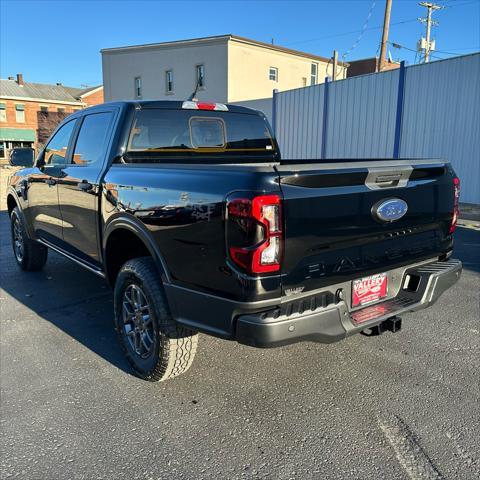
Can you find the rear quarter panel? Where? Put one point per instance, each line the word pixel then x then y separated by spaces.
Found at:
pixel 183 209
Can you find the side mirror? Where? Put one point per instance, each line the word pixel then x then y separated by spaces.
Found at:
pixel 22 157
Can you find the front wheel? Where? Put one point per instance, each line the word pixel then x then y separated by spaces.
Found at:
pixel 156 346
pixel 29 254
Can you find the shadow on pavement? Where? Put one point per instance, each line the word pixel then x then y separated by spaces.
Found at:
pixel 63 293
pixel 80 303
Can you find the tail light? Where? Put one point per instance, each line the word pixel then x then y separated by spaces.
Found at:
pixel 456 210
pixel 256 238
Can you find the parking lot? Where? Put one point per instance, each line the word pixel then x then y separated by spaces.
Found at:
pixel 402 405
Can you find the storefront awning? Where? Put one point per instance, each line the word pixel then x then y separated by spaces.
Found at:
pixel 17 135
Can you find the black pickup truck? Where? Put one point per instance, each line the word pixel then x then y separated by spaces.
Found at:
pixel 191 215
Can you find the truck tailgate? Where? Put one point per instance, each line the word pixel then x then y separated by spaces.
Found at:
pixel 335 232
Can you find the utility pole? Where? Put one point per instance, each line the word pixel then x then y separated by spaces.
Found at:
pixel 386 26
pixel 426 44
pixel 335 64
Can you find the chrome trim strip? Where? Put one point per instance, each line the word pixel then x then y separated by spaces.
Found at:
pixel 71 257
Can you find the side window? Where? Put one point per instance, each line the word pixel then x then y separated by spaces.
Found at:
pixel 56 149
pixel 92 140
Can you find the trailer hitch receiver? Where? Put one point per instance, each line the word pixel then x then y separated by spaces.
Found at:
pixel 392 324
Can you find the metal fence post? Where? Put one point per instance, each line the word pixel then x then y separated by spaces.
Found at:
pixel 274 111
pixel 325 118
pixel 399 117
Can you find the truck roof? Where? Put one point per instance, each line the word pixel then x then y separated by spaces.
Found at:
pixel 169 104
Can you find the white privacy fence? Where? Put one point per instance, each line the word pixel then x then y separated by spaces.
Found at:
pixel 429 110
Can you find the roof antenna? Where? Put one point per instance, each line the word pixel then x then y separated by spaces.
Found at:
pixel 192 98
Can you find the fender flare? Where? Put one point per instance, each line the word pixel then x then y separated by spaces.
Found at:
pixel 136 227
pixel 11 192
pixel 20 205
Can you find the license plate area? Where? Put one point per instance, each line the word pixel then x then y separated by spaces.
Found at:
pixel 368 290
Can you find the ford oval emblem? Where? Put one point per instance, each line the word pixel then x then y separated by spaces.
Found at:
pixel 389 210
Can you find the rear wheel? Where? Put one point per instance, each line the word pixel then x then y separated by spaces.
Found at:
pixel 156 346
pixel 29 254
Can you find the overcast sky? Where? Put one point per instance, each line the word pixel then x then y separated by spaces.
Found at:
pixel 59 41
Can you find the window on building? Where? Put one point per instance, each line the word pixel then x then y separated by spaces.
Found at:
pixel 92 139
pixel 3 150
pixel 313 74
pixel 273 74
pixel 169 81
pixel 3 112
pixel 304 81
pixel 60 110
pixel 56 149
pixel 20 113
pixel 201 75
pixel 43 108
pixel 138 87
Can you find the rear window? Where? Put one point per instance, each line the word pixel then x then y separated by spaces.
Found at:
pixel 160 135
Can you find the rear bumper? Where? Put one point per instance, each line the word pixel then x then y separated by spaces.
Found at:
pixel 331 324
pixel 317 316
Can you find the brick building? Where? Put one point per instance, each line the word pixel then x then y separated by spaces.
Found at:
pixel 29 112
pixel 369 65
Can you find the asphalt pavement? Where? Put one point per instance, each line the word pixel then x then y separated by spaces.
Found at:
pixel 397 406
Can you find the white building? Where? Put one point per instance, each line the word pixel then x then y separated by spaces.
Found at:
pixel 227 68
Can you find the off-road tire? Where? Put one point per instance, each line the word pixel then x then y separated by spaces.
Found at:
pixel 34 255
pixel 174 346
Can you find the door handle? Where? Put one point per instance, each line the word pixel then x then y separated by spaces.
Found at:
pixel 85 186
pixel 50 181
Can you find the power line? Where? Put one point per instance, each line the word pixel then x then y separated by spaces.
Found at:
pixel 378 27
pixel 457 53
pixel 455 3
pixel 398 46
pixel 362 31
pixel 459 4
